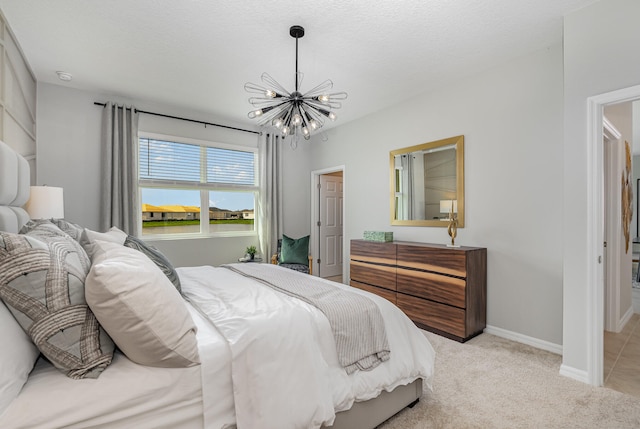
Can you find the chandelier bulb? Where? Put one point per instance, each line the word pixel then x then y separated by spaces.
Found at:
pixel 313 124
pixel 324 98
pixel 305 132
pixel 269 93
pixel 254 113
pixel 332 116
pixel 296 119
pixel 277 122
pixel 285 131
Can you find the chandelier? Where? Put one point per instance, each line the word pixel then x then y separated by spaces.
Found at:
pixel 293 113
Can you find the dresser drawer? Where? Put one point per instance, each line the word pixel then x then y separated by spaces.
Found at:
pixel 435 315
pixel 384 293
pixel 376 275
pixel 439 259
pixel 440 288
pixel 373 252
pixel 436 287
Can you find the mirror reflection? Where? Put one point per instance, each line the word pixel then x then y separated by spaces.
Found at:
pixel 427 182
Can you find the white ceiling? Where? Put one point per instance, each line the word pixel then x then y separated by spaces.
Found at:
pixel 198 54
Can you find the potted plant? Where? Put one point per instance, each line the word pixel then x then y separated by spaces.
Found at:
pixel 251 251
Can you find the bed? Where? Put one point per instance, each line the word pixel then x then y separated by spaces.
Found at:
pixel 246 353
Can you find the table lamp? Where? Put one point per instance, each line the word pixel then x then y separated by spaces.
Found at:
pixel 45 202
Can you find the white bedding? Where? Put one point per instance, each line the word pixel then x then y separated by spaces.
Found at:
pixel 294 380
pixel 128 395
pixel 248 375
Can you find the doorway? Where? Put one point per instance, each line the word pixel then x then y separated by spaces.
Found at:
pixel 595 225
pixel 621 356
pixel 327 242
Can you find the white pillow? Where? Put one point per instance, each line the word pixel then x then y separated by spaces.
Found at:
pixel 114 235
pixel 140 308
pixel 18 354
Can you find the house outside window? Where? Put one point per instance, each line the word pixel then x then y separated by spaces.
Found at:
pixel 191 188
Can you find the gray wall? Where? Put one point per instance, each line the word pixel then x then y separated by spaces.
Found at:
pixel 598 44
pixel 68 148
pixel 511 118
pixel 17 98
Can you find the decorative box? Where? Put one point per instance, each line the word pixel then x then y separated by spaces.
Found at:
pixel 378 236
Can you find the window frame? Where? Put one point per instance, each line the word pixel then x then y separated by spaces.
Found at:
pixel 202 186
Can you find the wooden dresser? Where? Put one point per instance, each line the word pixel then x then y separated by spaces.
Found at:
pixel 441 289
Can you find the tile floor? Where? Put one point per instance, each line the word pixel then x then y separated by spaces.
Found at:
pixel 335 279
pixel 622 358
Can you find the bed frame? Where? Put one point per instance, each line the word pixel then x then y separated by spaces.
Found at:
pixel 14 193
pixel 14 189
pixel 371 413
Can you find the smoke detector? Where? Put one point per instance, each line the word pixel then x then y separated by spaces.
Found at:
pixel 64 76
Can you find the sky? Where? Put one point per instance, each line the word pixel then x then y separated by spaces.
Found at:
pixel 222 200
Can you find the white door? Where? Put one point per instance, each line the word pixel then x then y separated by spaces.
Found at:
pixel 331 224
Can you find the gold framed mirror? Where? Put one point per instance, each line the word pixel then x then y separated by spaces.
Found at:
pixel 426 180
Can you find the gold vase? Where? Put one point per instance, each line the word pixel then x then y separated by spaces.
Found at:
pixel 452 229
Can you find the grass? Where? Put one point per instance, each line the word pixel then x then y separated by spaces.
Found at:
pixel 155 223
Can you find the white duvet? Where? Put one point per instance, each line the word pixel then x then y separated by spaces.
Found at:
pixel 284 365
pixel 268 361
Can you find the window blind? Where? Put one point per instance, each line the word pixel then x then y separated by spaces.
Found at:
pixel 182 162
pixel 230 166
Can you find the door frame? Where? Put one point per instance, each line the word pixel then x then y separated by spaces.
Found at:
pixel 613 224
pixel 595 222
pixel 315 197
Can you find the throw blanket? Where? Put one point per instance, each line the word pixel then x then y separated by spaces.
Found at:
pixel 355 320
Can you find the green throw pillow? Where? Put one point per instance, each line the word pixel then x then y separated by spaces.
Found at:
pixel 294 251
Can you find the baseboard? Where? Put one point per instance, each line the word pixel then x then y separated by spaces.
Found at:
pixel 623 321
pixel 524 339
pixel 565 370
pixel 573 373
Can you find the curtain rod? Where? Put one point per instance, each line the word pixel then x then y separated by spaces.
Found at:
pixel 184 119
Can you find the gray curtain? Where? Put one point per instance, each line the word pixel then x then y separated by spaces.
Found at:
pixel 270 204
pixel 119 199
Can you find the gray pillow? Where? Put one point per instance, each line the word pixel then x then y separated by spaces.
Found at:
pixel 32 224
pixel 72 229
pixel 45 230
pixel 42 278
pixel 115 235
pixel 157 257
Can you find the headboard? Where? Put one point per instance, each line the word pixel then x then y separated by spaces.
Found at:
pixel 14 189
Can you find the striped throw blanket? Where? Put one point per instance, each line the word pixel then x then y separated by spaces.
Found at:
pixel 356 321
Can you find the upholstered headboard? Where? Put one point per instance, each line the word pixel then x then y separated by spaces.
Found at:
pixel 14 189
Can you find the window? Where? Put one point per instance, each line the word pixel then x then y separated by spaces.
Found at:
pixel 196 188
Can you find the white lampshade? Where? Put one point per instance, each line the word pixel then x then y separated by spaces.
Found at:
pixel 445 206
pixel 45 202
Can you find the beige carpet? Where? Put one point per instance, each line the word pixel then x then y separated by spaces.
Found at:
pixel 490 382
